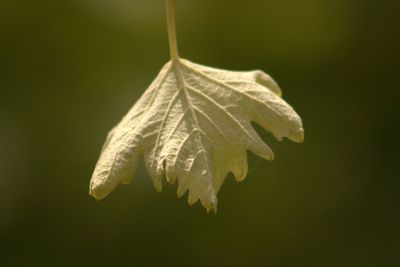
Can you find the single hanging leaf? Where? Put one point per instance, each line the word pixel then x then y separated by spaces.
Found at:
pixel 193 124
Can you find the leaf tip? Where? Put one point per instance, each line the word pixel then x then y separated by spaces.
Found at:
pixel 157 183
pixel 170 180
pixel 297 135
pixel 266 81
pixel 97 192
pixel 212 209
pixel 158 189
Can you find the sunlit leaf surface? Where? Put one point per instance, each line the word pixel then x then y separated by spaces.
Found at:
pixel 193 125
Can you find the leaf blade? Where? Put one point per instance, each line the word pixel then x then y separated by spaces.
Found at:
pixel 193 125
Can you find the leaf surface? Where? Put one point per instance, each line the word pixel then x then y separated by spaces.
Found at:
pixel 193 125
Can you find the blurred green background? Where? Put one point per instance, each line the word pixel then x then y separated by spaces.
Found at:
pixel 69 70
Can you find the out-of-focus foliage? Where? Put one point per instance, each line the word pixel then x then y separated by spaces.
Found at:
pixel 70 69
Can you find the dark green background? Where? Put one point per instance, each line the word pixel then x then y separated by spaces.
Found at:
pixel 69 70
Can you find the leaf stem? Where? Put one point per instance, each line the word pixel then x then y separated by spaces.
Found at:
pixel 171 31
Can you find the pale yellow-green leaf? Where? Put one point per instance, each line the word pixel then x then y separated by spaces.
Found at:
pixel 193 125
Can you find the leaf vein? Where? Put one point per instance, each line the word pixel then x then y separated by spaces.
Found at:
pixel 225 85
pixel 210 100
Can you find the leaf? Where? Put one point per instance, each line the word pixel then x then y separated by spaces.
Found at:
pixel 193 124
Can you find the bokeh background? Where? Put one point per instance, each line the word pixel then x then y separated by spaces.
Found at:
pixel 69 70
